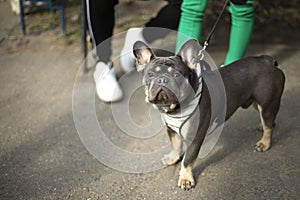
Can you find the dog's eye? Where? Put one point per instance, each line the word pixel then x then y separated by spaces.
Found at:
pixel 176 74
pixel 150 74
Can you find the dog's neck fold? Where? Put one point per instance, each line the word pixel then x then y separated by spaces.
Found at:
pixel 176 121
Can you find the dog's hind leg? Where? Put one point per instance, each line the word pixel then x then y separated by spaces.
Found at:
pixel 267 117
pixel 260 127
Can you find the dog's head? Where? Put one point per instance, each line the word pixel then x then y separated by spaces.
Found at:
pixel 169 81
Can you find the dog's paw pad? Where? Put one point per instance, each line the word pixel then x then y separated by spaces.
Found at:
pixel 186 184
pixel 262 146
pixel 170 159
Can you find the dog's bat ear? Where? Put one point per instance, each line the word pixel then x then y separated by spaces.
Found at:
pixel 188 53
pixel 143 55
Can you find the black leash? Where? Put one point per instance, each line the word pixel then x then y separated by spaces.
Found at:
pixel 217 21
pixel 212 30
pixel 200 54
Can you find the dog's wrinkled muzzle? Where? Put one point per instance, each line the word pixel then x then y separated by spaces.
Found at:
pixel 159 95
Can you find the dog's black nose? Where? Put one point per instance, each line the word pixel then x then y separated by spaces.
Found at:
pixel 162 80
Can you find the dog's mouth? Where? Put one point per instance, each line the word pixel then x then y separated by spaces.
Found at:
pixel 158 95
pixel 163 98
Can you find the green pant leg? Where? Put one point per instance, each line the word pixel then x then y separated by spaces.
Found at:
pixel 190 24
pixel 241 30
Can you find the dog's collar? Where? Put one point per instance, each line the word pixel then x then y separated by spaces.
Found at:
pixel 176 121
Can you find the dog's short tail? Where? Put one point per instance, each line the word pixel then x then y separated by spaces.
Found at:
pixel 275 63
pixel 271 60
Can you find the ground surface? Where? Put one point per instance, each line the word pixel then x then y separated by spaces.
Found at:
pixel 42 156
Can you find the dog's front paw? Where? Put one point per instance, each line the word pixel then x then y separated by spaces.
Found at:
pixel 170 159
pixel 262 145
pixel 186 184
pixel 186 180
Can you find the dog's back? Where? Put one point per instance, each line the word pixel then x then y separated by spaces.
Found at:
pixel 253 79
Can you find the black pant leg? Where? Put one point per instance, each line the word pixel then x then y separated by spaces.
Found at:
pixel 100 19
pixel 168 17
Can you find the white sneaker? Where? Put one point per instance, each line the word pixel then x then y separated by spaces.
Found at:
pixel 127 59
pixel 107 86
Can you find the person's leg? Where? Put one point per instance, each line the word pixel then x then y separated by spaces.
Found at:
pixel 241 30
pixel 168 17
pixel 100 19
pixel 190 25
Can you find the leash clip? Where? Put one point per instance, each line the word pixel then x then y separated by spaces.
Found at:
pixel 200 58
pixel 201 54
